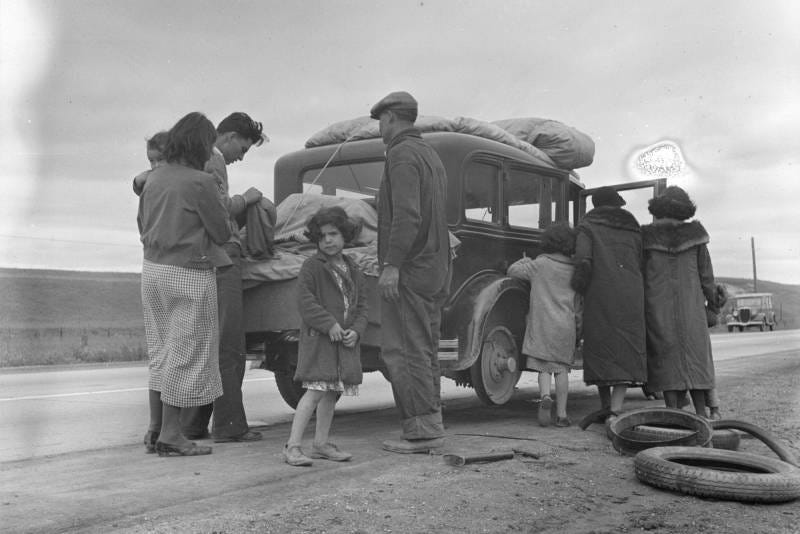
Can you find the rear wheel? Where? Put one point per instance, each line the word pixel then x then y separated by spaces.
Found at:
pixel 741 329
pixel 496 372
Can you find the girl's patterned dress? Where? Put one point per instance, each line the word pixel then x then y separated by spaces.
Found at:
pixel 346 286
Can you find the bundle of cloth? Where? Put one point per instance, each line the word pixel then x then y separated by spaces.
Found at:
pixel 291 247
pixel 553 143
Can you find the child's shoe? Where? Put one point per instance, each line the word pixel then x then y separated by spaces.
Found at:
pixel 714 414
pixel 329 451
pixel 563 422
pixel 544 415
pixel 294 456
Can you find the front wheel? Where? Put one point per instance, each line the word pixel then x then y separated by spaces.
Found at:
pixel 496 372
pixel 730 329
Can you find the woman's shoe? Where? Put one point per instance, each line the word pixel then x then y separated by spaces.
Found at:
pixel 150 441
pixel 192 449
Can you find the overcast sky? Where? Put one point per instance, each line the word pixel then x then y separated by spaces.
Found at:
pixel 82 83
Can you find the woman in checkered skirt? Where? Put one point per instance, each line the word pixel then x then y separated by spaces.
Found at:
pixel 183 223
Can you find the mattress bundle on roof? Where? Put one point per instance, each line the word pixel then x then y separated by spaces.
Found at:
pixel 550 141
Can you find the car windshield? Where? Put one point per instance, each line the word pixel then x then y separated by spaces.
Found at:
pixel 749 302
pixel 356 180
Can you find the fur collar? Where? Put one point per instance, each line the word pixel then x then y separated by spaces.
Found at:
pixel 673 237
pixel 613 217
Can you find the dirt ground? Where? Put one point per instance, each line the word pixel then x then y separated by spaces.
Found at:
pixel 579 483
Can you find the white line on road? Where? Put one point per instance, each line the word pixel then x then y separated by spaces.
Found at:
pixel 102 392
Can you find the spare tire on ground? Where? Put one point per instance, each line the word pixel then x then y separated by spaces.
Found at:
pixel 719 474
pixel 720 439
pixel 697 430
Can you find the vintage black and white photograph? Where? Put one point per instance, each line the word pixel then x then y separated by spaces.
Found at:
pixel 409 266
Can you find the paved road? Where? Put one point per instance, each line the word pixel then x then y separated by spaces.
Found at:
pixel 53 411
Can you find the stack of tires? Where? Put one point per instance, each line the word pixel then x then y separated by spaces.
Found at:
pixel 679 451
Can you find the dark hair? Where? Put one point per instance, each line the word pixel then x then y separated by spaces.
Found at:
pixel 674 203
pixel 241 124
pixel 559 237
pixel 336 216
pixel 190 141
pixel 158 141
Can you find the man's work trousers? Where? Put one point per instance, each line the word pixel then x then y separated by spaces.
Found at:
pixel 409 348
pixel 228 410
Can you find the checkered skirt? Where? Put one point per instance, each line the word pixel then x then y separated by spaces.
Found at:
pixel 180 323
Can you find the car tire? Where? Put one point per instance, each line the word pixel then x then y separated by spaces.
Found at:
pixel 730 329
pixel 697 430
pixel 720 439
pixel 718 474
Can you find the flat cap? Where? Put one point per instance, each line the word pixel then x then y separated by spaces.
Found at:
pixel 399 100
pixel 607 196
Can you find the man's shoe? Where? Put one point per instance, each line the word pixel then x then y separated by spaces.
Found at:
pixel 329 451
pixel 414 446
pixel 294 456
pixel 250 435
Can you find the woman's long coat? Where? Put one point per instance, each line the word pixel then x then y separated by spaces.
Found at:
pixel 608 258
pixel 321 306
pixel 678 281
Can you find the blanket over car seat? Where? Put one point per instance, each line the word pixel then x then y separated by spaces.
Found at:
pixel 292 247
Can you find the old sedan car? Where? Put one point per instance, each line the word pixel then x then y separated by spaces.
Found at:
pixel 750 310
pixel 499 198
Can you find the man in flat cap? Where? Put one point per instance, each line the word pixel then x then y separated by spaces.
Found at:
pixel 413 250
pixel 608 259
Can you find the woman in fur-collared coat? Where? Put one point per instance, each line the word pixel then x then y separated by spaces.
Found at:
pixel 678 280
pixel 608 273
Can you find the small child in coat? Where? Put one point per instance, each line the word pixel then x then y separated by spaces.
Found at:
pixel 553 318
pixel 332 303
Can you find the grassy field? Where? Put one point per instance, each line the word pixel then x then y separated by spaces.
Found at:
pixel 57 317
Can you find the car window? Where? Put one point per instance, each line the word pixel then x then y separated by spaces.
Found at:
pixel 530 197
pixel 749 302
pixel 481 200
pixel 356 180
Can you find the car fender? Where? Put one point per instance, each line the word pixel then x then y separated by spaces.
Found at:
pixel 472 304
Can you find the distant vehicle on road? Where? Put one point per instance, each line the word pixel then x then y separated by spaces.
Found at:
pixel 751 309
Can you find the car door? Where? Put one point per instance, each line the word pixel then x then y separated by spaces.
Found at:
pixel 635 194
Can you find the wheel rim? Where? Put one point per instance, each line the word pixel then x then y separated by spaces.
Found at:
pixel 500 370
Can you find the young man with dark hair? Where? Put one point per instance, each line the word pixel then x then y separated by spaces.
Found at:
pixel 236 133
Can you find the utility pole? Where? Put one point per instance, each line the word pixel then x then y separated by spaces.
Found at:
pixel 755 278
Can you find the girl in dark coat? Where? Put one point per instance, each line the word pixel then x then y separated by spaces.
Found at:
pixel 608 258
pixel 679 280
pixel 333 306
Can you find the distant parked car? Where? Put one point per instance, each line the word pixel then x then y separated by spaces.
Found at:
pixel 750 309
